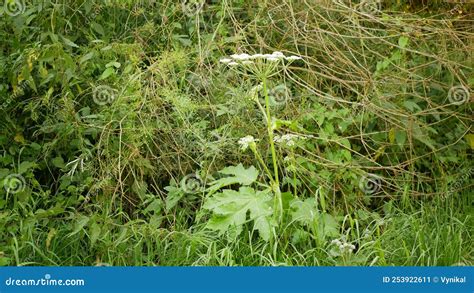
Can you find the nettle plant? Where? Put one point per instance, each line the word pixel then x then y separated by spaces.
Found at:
pixel 263 203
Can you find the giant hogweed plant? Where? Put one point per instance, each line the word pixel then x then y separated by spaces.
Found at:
pixel 262 203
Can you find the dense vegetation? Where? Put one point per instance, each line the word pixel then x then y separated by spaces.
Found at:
pixel 140 132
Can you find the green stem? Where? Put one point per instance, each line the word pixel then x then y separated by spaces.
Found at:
pixel 276 187
pixel 270 130
pixel 260 160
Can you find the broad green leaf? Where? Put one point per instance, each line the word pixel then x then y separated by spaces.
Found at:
pixel 108 72
pixel 238 175
pixel 54 211
pixel 155 206
pixel 94 232
pixel 25 166
pixel 58 162
pixel 305 211
pixel 174 196
pixel 328 226
pixel 114 64
pixel 81 221
pixel 231 207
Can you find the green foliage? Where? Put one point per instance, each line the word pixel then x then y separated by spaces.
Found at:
pixel 235 175
pixel 230 210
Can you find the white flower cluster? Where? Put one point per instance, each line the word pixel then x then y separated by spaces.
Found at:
pixel 343 246
pixel 246 141
pixel 247 59
pixel 287 139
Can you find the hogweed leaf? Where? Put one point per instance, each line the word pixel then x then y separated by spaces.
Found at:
pixel 237 175
pixel 305 211
pixel 234 208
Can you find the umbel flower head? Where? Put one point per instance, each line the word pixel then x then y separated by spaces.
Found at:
pixel 246 59
pixel 288 140
pixel 246 142
pixel 343 246
pixel 259 64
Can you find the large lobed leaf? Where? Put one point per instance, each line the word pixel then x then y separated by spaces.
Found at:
pixel 231 207
pixel 237 175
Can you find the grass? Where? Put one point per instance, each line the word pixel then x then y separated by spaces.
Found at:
pixel 429 234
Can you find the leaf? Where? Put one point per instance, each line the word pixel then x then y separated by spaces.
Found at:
pixel 69 42
pixel 58 162
pixel 411 105
pixel 54 211
pixel 403 41
pixel 400 137
pixel 391 135
pixel 174 196
pixel 419 135
pixel 19 138
pixel 156 220
pixel 114 64
pixel 305 211
pixel 86 57
pixel 108 72
pixel 328 226
pixel 25 166
pixel 98 28
pixel 470 140
pixel 238 174
pixel 81 221
pixel 155 206
pixel 231 207
pixel 49 238
pixel 94 232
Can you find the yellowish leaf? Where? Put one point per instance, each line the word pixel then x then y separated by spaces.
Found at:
pixel 470 139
